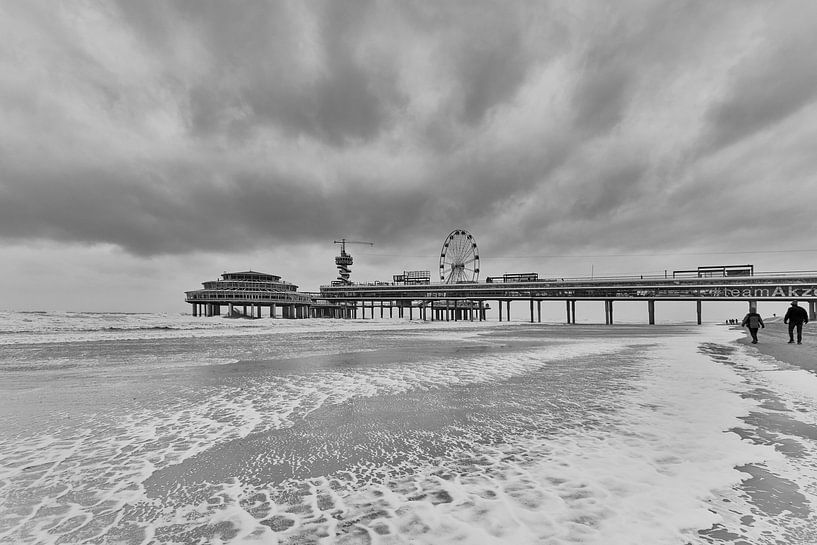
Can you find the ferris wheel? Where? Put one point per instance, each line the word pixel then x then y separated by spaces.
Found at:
pixel 459 258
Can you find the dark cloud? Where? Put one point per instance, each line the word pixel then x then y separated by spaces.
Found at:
pixel 148 213
pixel 601 98
pixel 166 128
pixel 258 69
pixel 618 189
pixel 489 61
pixel 765 91
pixel 773 78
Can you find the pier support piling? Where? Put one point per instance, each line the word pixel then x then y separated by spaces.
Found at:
pixel 698 309
pixel 651 311
pixel 608 312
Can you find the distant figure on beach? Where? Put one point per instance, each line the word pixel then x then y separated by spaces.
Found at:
pixel 796 316
pixel 753 321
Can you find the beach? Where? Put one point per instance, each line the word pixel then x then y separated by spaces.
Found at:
pixel 167 429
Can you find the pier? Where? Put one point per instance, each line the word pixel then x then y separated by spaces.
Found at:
pixel 469 301
pixel 252 294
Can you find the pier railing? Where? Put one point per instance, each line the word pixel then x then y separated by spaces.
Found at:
pixel 777 286
pixel 226 296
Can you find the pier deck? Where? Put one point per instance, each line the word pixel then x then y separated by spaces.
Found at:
pixel 463 300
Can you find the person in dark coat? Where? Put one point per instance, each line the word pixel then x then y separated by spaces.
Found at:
pixel 754 322
pixel 796 316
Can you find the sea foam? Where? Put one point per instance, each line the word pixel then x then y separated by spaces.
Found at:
pixel 535 438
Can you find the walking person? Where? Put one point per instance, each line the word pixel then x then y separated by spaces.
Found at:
pixel 796 316
pixel 754 322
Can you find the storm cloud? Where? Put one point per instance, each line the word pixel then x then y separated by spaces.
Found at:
pixel 543 127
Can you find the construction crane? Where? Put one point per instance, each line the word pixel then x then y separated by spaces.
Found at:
pixel 344 260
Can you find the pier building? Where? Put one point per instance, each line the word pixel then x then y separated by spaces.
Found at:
pixel 245 294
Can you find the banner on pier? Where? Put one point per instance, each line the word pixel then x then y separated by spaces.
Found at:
pixel 773 292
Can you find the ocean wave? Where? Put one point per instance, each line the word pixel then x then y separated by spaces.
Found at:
pixel 143 328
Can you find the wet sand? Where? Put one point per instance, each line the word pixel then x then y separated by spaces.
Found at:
pixel 773 341
pixel 780 426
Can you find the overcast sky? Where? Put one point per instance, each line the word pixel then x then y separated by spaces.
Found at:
pixel 148 146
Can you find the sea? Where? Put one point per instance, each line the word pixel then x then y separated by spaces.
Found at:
pixel 171 429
